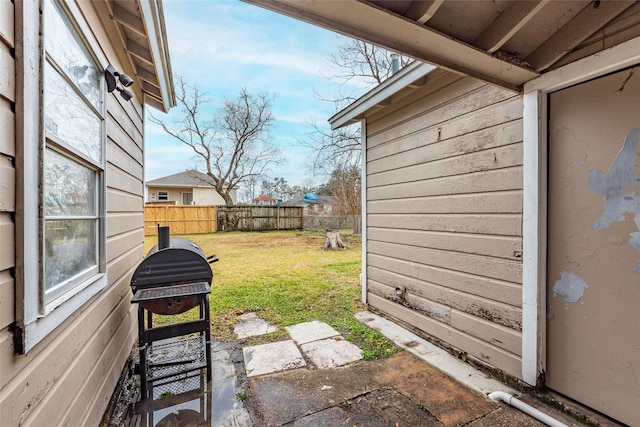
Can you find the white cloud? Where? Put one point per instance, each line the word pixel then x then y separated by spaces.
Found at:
pixel 223 46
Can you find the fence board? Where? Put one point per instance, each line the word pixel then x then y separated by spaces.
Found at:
pixel 260 218
pixel 181 219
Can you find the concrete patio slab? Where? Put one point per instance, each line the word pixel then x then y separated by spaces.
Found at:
pixel 274 357
pixel 435 356
pixel 331 352
pixel 252 326
pixel 289 396
pixel 303 333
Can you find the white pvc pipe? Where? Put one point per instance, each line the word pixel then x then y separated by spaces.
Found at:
pixel 509 399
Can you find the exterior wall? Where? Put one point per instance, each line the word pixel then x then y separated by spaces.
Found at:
pixel 444 216
pixel 7 175
pixel 207 196
pixel 175 194
pixel 68 378
pixel 201 196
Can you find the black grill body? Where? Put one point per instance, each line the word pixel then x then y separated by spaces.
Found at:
pixel 174 277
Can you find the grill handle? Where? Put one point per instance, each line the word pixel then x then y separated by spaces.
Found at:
pixel 211 259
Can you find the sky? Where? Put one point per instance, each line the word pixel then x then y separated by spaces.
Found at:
pixel 226 45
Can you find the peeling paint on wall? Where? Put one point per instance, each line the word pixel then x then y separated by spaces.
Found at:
pixel 621 175
pixel 570 285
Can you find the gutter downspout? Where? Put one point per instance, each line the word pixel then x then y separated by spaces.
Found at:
pixel 509 399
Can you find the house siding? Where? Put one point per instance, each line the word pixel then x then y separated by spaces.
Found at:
pixel 444 216
pixel 69 377
pixel 7 168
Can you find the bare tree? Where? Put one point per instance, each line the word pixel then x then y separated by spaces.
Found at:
pixel 369 64
pixel 234 143
pixel 345 185
pixel 356 60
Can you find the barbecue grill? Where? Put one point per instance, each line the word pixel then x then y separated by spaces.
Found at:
pixel 175 276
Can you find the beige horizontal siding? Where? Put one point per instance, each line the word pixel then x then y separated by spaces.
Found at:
pixel 495 224
pixel 122 159
pixel 7 299
pixel 7 73
pixel 122 222
pixel 444 216
pixel 68 378
pixel 497 246
pixel 8 134
pixel 416 149
pixel 480 349
pixel 471 283
pixel 477 182
pixel 7 184
pixel 6 23
pixel 7 248
pixel 498 158
pixel 496 203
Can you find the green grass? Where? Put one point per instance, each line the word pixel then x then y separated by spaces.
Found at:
pixel 285 278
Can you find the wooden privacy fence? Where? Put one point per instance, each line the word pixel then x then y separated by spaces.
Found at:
pixel 258 218
pixel 181 219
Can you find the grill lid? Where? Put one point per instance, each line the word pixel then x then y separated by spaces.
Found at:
pixel 181 262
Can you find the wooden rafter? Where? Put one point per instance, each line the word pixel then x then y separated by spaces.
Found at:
pixel 140 52
pixel 422 11
pixel 126 18
pixel 146 75
pixel 584 24
pixel 508 24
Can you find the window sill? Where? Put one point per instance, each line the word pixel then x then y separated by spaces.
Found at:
pixel 60 309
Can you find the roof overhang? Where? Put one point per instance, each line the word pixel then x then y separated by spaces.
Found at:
pixel 505 42
pixel 139 26
pixel 405 81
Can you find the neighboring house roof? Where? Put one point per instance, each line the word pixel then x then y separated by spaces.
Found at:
pixel 189 178
pixel 504 42
pixel 141 25
pixel 264 198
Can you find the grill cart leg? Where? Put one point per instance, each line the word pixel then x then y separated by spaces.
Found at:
pixel 142 350
pixel 207 333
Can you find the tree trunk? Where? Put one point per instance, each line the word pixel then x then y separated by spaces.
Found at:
pixel 332 240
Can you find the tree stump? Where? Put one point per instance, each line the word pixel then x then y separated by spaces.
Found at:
pixel 332 240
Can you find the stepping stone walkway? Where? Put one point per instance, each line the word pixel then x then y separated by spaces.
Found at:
pixel 319 342
pixel 252 326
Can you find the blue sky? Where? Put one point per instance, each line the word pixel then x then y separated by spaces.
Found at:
pixel 225 45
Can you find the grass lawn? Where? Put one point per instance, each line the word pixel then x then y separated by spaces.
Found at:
pixel 285 278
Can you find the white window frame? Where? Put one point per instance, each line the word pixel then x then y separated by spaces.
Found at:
pixel 534 233
pixel 36 318
pixel 163 196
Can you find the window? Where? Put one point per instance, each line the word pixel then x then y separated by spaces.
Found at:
pixel 187 198
pixel 163 195
pixel 73 158
pixel 64 172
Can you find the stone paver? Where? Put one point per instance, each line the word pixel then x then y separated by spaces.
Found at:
pixel 273 357
pixel 331 352
pixel 303 333
pixel 251 326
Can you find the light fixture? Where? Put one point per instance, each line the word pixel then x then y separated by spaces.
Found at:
pixel 112 76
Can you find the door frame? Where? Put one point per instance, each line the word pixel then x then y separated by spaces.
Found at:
pixel 534 228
